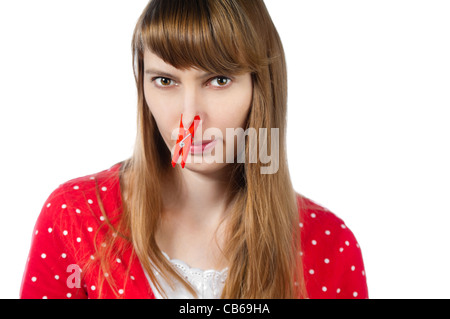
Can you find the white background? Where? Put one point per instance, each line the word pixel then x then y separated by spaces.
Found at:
pixel 368 130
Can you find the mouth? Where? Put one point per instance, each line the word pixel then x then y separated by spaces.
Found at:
pixel 204 142
pixel 202 146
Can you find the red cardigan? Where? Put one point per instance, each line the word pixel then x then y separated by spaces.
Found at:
pixel 63 240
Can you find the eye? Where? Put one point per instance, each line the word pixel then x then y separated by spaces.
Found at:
pixel 163 82
pixel 220 81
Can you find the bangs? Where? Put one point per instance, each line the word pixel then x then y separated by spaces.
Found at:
pixel 214 36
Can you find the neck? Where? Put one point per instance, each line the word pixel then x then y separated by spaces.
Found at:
pixel 199 197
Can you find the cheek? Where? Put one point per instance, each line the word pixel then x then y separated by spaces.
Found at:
pixel 237 116
pixel 237 109
pixel 158 108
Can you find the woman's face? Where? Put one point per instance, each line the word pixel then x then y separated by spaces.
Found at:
pixel 221 101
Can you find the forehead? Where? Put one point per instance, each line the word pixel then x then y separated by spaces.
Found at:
pixel 151 59
pixel 154 64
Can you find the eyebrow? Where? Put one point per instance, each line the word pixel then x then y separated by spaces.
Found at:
pixel 168 75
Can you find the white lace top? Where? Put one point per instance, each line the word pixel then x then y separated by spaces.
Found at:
pixel 208 284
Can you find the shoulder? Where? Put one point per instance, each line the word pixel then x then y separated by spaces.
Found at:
pixel 318 222
pixel 331 253
pixel 82 196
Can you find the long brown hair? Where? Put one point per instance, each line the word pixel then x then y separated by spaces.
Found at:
pixel 263 236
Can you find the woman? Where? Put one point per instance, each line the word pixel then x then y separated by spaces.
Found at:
pixel 213 229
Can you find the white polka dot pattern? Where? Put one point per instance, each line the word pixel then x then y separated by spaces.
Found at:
pixel 332 257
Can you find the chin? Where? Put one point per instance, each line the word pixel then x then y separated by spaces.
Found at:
pixel 205 167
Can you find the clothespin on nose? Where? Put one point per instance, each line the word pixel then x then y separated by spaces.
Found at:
pixel 184 142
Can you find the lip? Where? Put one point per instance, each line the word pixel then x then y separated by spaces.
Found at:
pixel 200 147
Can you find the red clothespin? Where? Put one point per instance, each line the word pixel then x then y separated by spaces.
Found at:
pixel 184 142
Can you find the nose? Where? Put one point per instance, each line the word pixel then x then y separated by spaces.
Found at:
pixel 187 121
pixel 193 125
pixel 192 107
